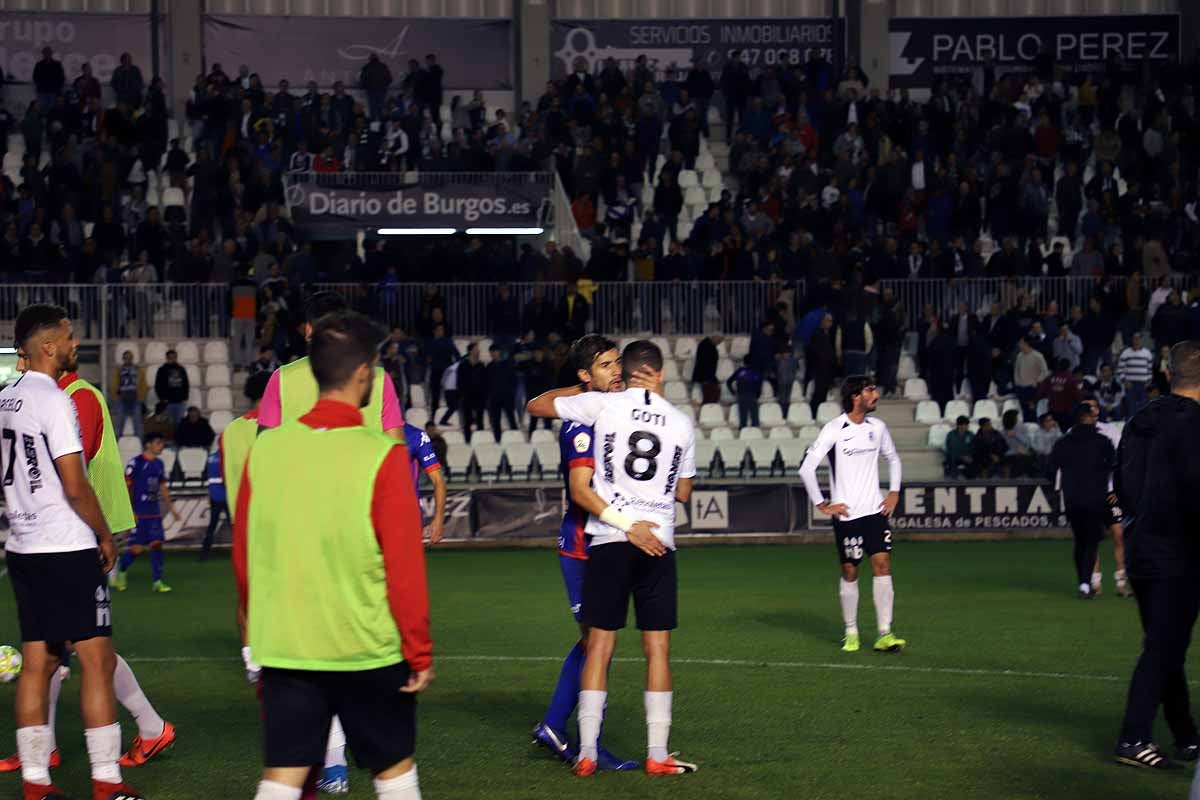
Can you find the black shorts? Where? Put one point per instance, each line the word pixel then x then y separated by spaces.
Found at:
pixel 865 535
pixel 61 597
pixel 618 569
pixel 298 706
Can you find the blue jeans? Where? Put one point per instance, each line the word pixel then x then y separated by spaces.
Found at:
pixel 1135 398
pixel 176 412
pixel 128 409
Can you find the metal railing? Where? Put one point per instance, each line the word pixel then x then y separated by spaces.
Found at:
pixel 659 308
pixel 979 294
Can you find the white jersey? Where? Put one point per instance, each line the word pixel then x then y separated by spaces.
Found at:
pixel 642 446
pixel 854 452
pixel 38 424
pixel 1111 432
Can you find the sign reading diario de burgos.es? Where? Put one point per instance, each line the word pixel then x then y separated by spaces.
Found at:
pixel 927 49
pixel 334 209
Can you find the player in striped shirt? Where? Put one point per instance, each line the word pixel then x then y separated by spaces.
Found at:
pixel 597 364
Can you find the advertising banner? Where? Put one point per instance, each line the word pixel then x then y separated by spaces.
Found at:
pixel 97 39
pixel 927 49
pixel 952 507
pixel 474 53
pixel 763 42
pixel 331 205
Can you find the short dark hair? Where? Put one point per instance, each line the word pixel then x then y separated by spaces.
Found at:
pixel 961 420
pixel 586 349
pixel 642 353
pixel 1185 365
pixel 341 343
pixel 323 303
pixel 854 385
pixel 1009 419
pixel 153 436
pixel 256 386
pixel 1082 411
pixel 37 318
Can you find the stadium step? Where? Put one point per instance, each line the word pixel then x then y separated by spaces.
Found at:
pixel 919 465
pixel 896 413
pixel 909 436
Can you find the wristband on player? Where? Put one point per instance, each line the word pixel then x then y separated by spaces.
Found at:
pixel 616 518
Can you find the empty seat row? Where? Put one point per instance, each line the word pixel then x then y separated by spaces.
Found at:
pixel 929 413
pixel 189 352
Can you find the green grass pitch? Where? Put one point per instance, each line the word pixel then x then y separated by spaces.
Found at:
pixel 1011 687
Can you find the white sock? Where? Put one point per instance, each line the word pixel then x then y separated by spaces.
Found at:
pixel 591 715
pixel 402 787
pixel 335 748
pixel 885 598
pixel 1097 578
pixel 270 790
pixel 1119 576
pixel 104 748
pixel 848 594
pixel 56 682
pixel 33 746
pixel 130 695
pixel 658 723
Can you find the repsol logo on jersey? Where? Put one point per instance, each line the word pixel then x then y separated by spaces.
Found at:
pixel 12 404
pixel 610 444
pixel 652 417
pixel 673 475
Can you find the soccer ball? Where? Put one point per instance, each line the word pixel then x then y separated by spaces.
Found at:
pixel 10 663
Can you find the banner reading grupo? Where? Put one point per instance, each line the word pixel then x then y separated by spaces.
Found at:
pixel 927 49
pixel 330 205
pixel 763 42
pixel 474 53
pixel 96 39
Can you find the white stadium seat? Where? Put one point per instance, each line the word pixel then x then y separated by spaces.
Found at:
pixel 937 435
pixel 219 399
pixel 808 435
pixel 192 461
pixel 417 417
pixel 762 453
pixel 520 458
pixel 685 348
pixel 732 453
pixel 129 447
pixel 767 395
pixel 188 352
pixel 132 347
pixel 928 412
pixel 986 408
pixel 512 437
pixel 194 375
pixel 721 434
pixel 748 433
pixel 687 411
pixel 168 458
pixel 799 415
pixel 770 415
pixel 712 414
pixel 542 435
pixel 417 395
pixel 705 451
pixel 454 437
pixel 548 456
pixel 459 456
pixel 792 453
pixel 676 392
pixel 915 389
pixel 670 369
pixel 1011 404
pixel 828 411
pixel 739 347
pixel 725 369
pixel 956 409
pixel 487 458
pixel 156 353
pixel 907 368
pixel 216 353
pixel 217 375
pixel 220 421
pixel 781 433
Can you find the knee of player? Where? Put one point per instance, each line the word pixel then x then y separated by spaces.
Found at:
pixel 156 545
pixel 882 569
pixel 600 643
pixel 135 549
pixel 850 573
pixel 656 645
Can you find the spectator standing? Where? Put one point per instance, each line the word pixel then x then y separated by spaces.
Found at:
pixel 501 375
pixel 853 342
pixel 442 355
pixel 820 361
pixel 1135 370
pixel 1110 395
pixel 988 450
pixel 129 381
pixel 960 450
pixel 1063 393
pixel 1096 331
pixel 1067 347
pixel 573 313
pixel 538 317
pixel 539 378
pixel 194 431
pixel 504 318
pixel 890 330
pixel 375 78
pixel 243 316
pixel 127 83
pixel 704 371
pixel 48 80
pixel 746 385
pixel 172 386
pixel 472 391
pixel 940 355
pixel 432 90
pixel 1029 371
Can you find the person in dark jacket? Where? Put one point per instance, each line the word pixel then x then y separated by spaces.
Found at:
pixel 502 390
pixel 194 431
pixel 472 391
pixel 1084 460
pixel 375 78
pixel 988 450
pixel 48 79
pixel 821 361
pixel 573 313
pixel 746 385
pixel 704 372
pixel 539 378
pixel 1157 480
pixel 171 385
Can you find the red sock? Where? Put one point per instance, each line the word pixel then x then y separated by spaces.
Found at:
pixel 36 791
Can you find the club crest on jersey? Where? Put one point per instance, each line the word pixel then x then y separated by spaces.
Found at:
pixel 582 442
pixel 870 436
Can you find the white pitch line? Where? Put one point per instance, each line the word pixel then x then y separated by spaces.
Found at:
pixel 726 662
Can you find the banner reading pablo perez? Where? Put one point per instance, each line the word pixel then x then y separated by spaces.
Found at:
pixel 926 49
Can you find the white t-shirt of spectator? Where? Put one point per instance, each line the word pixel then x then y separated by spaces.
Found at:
pixel 38 424
pixel 643 447
pixel 854 452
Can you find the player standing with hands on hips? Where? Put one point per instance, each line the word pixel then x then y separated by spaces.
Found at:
pixel 854 443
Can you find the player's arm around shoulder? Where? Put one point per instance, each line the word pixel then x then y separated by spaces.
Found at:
pixel 544 406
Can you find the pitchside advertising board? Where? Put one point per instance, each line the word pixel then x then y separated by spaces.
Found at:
pixel 762 42
pixel 927 49
pixel 96 39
